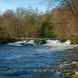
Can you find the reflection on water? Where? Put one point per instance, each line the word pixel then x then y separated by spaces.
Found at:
pixel 31 62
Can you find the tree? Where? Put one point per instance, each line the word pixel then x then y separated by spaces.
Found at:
pixel 72 4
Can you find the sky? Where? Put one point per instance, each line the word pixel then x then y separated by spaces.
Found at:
pixel 41 5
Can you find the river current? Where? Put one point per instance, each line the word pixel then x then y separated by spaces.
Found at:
pixel 33 62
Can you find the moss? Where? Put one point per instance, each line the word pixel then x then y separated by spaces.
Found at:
pixel 42 41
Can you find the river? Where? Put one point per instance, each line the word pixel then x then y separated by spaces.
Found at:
pixel 33 62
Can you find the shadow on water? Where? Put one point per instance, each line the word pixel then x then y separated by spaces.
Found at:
pixel 31 62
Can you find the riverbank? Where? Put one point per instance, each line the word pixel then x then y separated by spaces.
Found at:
pixel 52 24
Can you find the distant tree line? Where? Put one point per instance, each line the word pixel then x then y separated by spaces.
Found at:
pixel 61 23
pixel 25 23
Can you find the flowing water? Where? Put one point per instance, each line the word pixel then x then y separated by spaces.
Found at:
pixel 33 62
